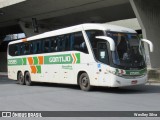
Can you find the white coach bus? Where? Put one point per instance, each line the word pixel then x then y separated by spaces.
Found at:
pixel 87 55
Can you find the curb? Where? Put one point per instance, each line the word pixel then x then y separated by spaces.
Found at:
pixel 153 81
pixel 3 75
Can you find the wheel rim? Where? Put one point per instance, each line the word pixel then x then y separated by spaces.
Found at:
pixel 84 82
pixel 21 78
pixel 27 78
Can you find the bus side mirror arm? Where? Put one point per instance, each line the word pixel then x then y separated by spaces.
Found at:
pixel 149 43
pixel 110 40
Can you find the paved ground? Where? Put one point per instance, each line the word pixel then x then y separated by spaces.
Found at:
pixel 55 97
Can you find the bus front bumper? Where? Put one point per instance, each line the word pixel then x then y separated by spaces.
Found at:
pixel 122 81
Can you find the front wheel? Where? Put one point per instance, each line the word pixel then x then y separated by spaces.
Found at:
pixel 27 79
pixel 84 82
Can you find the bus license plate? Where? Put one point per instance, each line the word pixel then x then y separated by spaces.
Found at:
pixel 133 82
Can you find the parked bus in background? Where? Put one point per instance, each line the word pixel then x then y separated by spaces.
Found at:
pixel 87 55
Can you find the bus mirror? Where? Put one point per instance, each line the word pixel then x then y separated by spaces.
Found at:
pixel 110 40
pixel 149 43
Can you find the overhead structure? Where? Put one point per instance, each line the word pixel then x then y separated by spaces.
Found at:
pixel 54 14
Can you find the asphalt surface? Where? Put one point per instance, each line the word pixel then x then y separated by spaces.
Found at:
pixel 56 97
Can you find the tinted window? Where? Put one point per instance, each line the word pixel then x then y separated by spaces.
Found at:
pixel 21 45
pixel 99 46
pixel 54 44
pixel 92 36
pixel 37 47
pixel 26 48
pixel 46 45
pixel 61 43
pixel 12 50
pixel 67 42
pixel 78 43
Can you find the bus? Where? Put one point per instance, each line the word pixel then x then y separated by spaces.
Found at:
pixel 87 55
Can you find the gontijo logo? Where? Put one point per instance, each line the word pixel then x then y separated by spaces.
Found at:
pixel 70 58
pixel 134 73
pixel 73 58
pixel 60 59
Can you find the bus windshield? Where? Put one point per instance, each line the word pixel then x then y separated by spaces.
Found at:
pixel 129 52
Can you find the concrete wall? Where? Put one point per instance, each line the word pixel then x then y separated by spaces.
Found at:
pixel 3 62
pixel 148 14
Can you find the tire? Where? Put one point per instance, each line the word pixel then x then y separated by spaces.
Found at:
pixel 20 78
pixel 84 82
pixel 27 79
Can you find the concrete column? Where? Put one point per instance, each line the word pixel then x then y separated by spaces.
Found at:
pixel 27 28
pixel 148 14
pixel 3 63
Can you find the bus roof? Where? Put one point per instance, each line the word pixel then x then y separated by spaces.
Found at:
pixel 76 28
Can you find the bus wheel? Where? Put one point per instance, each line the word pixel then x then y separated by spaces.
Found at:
pixel 27 79
pixel 20 78
pixel 84 82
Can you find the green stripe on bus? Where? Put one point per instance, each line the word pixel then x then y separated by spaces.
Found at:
pixel 24 61
pixel 35 59
pixel 53 59
pixel 38 69
pixel 136 72
pixel 132 72
pixel 78 57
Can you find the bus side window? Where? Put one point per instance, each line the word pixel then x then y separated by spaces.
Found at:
pixel 46 46
pixel 57 48
pixel 31 48
pixel 93 40
pixel 71 42
pixel 17 50
pixel 61 43
pixel 79 43
pixel 12 50
pixel 26 48
pixel 37 48
pixel 21 48
pixel 53 44
pixel 92 34
pixel 34 47
pixel 67 42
